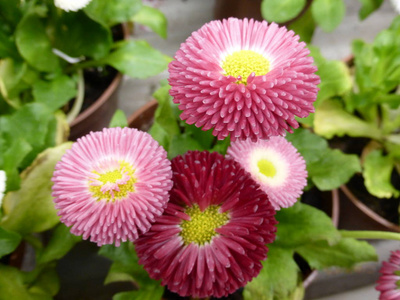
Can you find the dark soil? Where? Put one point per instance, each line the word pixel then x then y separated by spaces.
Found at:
pixel 97 81
pixel 387 208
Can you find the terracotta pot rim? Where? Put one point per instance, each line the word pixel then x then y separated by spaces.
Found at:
pixel 149 105
pixel 99 102
pixel 368 211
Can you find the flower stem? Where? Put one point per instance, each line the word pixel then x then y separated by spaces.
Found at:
pixel 84 65
pixel 76 108
pixel 367 234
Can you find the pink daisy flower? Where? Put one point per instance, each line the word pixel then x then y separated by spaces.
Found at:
pixel 213 233
pixel 389 281
pixel 243 78
pixel 112 184
pixel 276 165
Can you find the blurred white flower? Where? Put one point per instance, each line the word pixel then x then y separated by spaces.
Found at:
pixel 396 5
pixel 71 5
pixel 2 184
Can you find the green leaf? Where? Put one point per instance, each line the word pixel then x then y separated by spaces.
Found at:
pixel 60 131
pixel 331 119
pixel 7 46
pixel 322 161
pixel 328 14
pixel 34 45
pixel 32 123
pixel 46 284
pixel 137 59
pixel 11 80
pixel 60 243
pixel 142 294
pixel 9 241
pixel 31 209
pixel 126 266
pixel 221 146
pixel 335 79
pixel 182 143
pixel 158 132
pixel 325 173
pixel 29 122
pixel 12 285
pixel 280 11
pixel 302 224
pixel 165 125
pixel 377 64
pixel 204 138
pixel 56 92
pixel 363 57
pixel 377 173
pixel 395 26
pixel 11 158
pixel 152 18
pixel 10 12
pixel 394 139
pixel 390 118
pixel 118 119
pixel 78 35
pixel 277 279
pixel 308 144
pixel 304 26
pixel 112 12
pixel 347 253
pixel 368 7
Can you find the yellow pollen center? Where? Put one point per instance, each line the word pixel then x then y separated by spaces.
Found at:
pixel 200 229
pixel 243 63
pixel 266 168
pixel 113 185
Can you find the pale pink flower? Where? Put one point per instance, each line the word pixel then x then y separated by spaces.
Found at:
pixel 389 281
pixel 243 78
pixel 276 165
pixel 112 184
pixel 213 233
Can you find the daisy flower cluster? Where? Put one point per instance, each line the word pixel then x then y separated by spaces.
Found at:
pixel 201 222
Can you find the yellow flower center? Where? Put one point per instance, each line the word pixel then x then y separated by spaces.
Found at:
pixel 201 227
pixel 266 168
pixel 113 185
pixel 243 63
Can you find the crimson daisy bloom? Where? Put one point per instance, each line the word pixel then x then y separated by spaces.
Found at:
pixel 243 78
pixel 112 184
pixel 389 281
pixel 276 165
pixel 213 233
